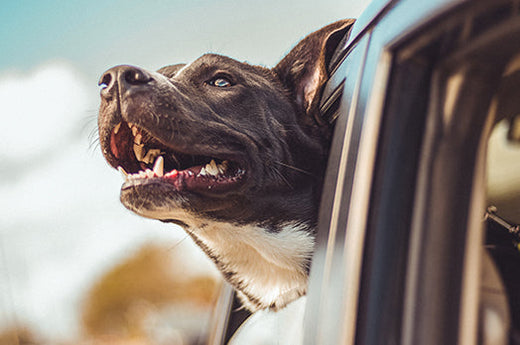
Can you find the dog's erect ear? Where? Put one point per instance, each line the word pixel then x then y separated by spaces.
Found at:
pixel 304 70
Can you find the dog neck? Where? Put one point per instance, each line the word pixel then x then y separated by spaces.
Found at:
pixel 268 267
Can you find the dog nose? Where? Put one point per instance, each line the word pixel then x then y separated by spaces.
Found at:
pixel 123 77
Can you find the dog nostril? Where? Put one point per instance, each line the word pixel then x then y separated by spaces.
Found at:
pixel 122 78
pixel 105 80
pixel 136 77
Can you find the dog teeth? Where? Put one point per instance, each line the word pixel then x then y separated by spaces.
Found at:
pixel 138 150
pixel 214 169
pixel 222 167
pixel 142 174
pixel 138 138
pixel 150 156
pixel 158 167
pixel 134 130
pixel 211 168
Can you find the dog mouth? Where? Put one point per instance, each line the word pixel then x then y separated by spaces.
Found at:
pixel 142 159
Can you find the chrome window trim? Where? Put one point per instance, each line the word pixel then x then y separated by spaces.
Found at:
pixel 319 332
pixel 362 187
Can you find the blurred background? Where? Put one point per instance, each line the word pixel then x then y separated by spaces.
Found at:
pixel 75 266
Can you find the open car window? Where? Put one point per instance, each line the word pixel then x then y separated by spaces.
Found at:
pixel 405 260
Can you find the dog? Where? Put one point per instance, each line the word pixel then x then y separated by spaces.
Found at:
pixel 232 152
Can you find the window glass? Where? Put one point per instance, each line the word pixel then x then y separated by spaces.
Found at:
pixel 500 291
pixel 503 171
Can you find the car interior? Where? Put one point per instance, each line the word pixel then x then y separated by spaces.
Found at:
pixel 500 311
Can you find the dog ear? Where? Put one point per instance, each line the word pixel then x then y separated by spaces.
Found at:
pixel 304 70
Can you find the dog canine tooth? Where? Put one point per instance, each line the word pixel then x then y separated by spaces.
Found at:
pixel 158 167
pixel 116 128
pixel 134 130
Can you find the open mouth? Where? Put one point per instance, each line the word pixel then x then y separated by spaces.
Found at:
pixel 141 158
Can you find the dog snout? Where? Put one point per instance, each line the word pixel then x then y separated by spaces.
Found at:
pixel 122 77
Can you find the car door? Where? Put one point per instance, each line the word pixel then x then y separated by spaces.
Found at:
pixel 400 248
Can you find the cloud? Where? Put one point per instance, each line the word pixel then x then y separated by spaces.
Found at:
pixel 62 223
pixel 40 109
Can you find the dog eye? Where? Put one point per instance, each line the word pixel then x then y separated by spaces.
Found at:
pixel 220 82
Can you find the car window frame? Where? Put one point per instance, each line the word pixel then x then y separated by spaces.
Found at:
pixel 406 38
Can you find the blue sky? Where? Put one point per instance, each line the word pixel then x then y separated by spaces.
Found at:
pixel 62 224
pixel 98 33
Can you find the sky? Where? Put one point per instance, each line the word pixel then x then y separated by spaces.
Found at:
pixel 61 221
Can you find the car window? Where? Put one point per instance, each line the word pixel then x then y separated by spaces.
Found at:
pixel 503 172
pixel 500 312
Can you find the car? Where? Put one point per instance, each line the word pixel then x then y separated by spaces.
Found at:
pixel 422 95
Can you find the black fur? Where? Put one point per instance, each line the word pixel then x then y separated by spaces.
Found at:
pixel 264 121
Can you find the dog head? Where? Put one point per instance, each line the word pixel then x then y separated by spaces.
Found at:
pixel 221 140
pixel 255 124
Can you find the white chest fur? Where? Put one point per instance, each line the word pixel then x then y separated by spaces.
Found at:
pixel 268 268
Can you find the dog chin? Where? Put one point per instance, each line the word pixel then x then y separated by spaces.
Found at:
pixel 159 200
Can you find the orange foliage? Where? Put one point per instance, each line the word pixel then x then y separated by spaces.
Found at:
pixel 144 282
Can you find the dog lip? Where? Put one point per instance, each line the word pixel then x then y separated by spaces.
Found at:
pixel 135 148
pixel 189 180
pixel 192 174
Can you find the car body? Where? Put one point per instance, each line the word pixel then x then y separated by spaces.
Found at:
pixel 415 92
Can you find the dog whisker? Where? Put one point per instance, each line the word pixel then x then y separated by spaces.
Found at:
pixel 281 176
pixel 295 168
pixel 94 141
pixel 94 145
pixel 173 247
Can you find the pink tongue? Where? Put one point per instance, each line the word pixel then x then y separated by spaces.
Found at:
pixel 188 179
pixel 172 174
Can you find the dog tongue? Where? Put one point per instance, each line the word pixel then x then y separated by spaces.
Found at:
pixel 190 179
pixel 203 184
